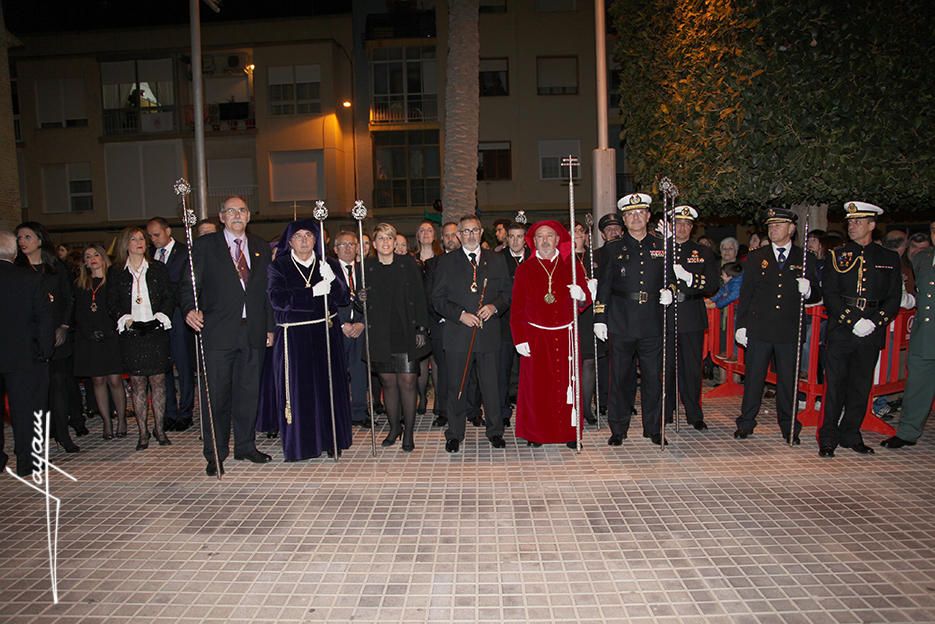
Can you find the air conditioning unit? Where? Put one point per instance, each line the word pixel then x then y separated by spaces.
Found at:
pixel 232 63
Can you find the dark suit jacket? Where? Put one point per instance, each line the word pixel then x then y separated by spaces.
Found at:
pixel 27 328
pixel 120 290
pixel 769 297
pixel 176 264
pixel 511 265
pixel 222 297
pixel 451 295
pixel 353 311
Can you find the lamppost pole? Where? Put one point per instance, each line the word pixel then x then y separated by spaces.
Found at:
pixel 201 177
pixel 604 195
pixel 351 104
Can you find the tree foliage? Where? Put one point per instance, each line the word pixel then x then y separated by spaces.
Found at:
pixel 751 102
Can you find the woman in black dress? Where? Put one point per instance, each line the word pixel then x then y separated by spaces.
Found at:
pixel 97 350
pixel 58 389
pixel 427 247
pixel 398 316
pixel 140 299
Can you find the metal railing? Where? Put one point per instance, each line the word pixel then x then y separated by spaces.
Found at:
pixel 393 109
pixel 133 120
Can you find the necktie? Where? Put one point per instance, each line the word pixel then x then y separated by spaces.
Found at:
pixel 350 277
pixel 242 267
pixel 782 257
pixel 162 255
pixel 473 257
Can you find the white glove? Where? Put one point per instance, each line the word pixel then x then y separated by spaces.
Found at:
pixel 576 292
pixel 326 272
pixel 908 301
pixel 665 297
pixel 682 274
pixel 600 330
pixel 661 229
pixel 162 318
pixel 523 349
pixel 592 287
pixel 863 327
pixel 322 288
pixel 741 336
pixel 122 323
pixel 805 286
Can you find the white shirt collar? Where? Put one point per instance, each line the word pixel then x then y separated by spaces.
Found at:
pixel 169 246
pixel 143 266
pixel 776 248
pixel 476 253
pixel 539 255
pixel 305 263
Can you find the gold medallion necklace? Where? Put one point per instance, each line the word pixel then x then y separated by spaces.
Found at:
pixel 311 270
pixel 549 297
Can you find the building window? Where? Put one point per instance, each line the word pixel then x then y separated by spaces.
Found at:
pixel 492 6
pixel 407 171
pixel 404 85
pixel 231 176
pixel 494 161
pixel 294 90
pixel 552 6
pixel 140 177
pixel 139 96
pixel 67 188
pixel 557 75
pixel 296 175
pixel 60 103
pixel 551 155
pixel 494 77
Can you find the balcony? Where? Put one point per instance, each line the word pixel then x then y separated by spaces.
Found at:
pixel 400 109
pixel 132 120
pixel 224 117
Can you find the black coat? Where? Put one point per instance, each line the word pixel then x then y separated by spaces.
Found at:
pixel 120 290
pixel 511 265
pixel 630 266
pixel 352 312
pixel 222 297
pixel 769 297
pixel 27 327
pixel 451 295
pixel 176 264
pixel 404 277
pixel 701 262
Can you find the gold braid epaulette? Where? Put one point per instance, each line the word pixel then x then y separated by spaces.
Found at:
pixel 834 263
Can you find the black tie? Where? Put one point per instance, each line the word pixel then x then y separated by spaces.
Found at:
pixel 782 257
pixel 473 257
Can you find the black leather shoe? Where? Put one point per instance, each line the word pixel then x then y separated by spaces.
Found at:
pixel 506 422
pixel 212 470
pixel 826 451
pixel 656 439
pixel 452 446
pixel 182 425
pixel 590 419
pixel 255 456
pixel 795 440
pixel 364 424
pixel 861 448
pixel 477 421
pixel 440 421
pixel 700 425
pixel 896 442
pixel 740 434
pixel 533 444
pixel 615 440
pixel 497 442
pixel 81 431
pixel 331 453
pixel 573 445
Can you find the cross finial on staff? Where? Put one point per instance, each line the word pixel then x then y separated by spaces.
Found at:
pixel 571 162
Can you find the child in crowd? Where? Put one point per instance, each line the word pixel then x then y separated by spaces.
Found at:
pixel 729 292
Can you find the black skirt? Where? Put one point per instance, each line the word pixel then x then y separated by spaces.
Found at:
pixel 145 354
pixel 399 363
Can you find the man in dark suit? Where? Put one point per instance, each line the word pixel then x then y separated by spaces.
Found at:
pixel 351 318
pixel 768 321
pixel 450 242
pixel 236 323
pixel 179 404
pixel 456 295
pixel 514 253
pixel 27 334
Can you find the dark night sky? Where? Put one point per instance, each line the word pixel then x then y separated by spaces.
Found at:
pixel 30 16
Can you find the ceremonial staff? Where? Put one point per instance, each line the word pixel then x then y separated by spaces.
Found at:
pixel 359 212
pixel 798 341
pixel 663 184
pixel 467 362
pixel 183 189
pixel 669 193
pixel 321 213
pixel 597 375
pixel 571 162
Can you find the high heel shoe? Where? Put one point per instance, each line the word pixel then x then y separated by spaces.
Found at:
pixel 162 438
pixel 143 445
pixel 107 436
pixel 69 446
pixel 390 439
pixel 121 431
pixel 408 444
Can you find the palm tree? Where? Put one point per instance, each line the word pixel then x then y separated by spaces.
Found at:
pixel 459 192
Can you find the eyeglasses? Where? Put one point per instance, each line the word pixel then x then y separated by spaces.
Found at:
pixel 235 210
pixel 471 231
pixel 345 244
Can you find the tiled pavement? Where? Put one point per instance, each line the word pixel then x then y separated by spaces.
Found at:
pixel 711 530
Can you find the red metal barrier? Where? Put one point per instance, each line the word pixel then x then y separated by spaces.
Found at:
pixel 890 379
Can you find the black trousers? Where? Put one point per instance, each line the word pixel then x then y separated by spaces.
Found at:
pixel 357 377
pixel 22 388
pixel 757 361
pixel 180 397
pixel 849 364
pixel 689 369
pixel 441 370
pixel 488 381
pixel 508 359
pixel 648 352
pixel 234 382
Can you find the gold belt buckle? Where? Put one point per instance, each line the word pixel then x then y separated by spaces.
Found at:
pixel 644 297
pixel 861 303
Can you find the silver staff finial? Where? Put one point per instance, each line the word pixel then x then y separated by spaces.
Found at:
pixel 182 187
pixel 521 217
pixel 359 211
pixel 589 220
pixel 321 212
pixel 668 188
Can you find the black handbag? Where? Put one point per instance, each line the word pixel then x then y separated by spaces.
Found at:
pixel 144 328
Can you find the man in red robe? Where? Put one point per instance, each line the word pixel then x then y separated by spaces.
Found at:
pixel 541 320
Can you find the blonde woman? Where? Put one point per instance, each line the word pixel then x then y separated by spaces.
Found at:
pixel 97 349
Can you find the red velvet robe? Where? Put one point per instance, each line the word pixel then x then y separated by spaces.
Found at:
pixel 543 413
